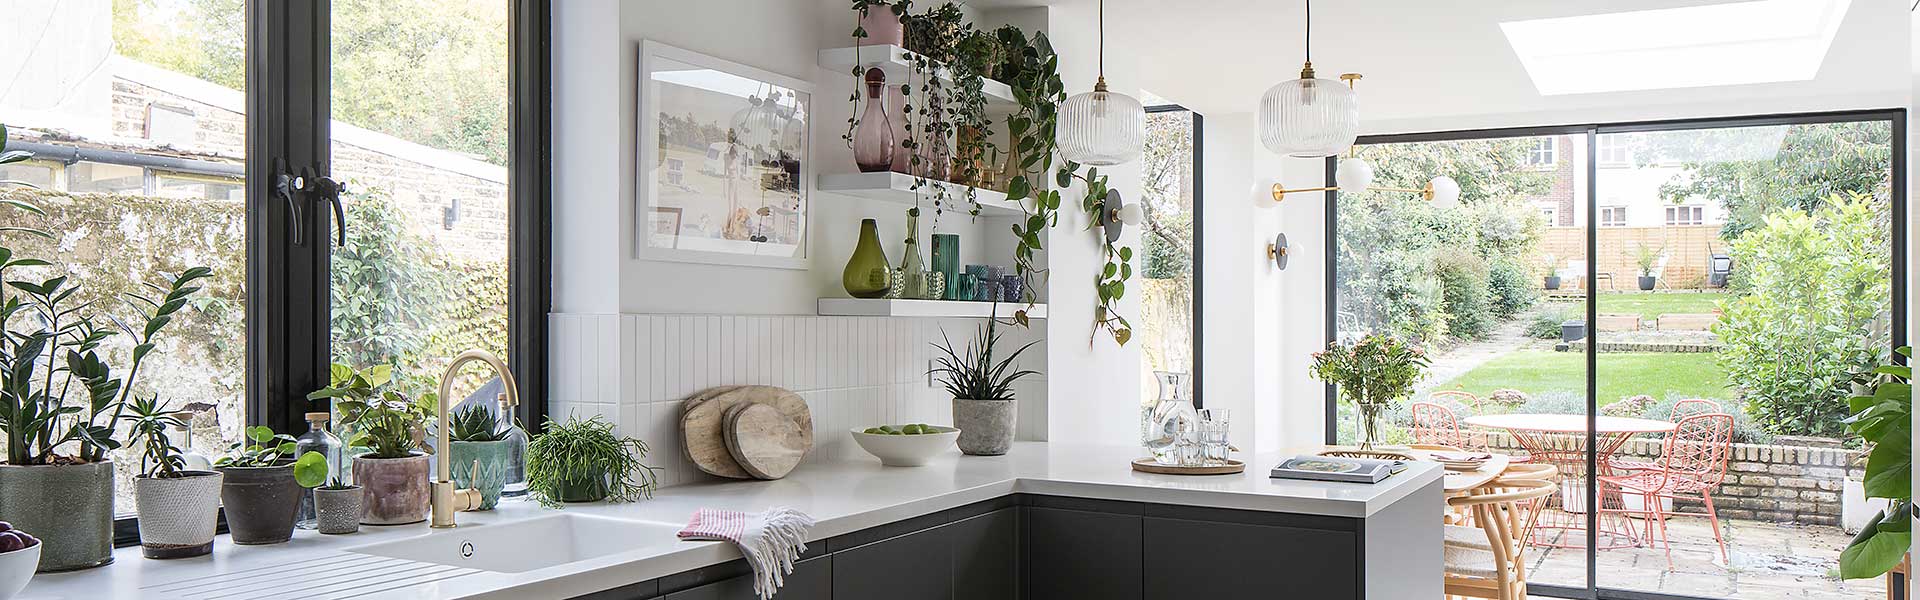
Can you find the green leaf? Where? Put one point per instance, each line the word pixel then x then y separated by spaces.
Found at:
pixel 1876 550
pixel 1063 178
pixel 1126 253
pixel 310 470
pixel 260 433
pixel 1890 468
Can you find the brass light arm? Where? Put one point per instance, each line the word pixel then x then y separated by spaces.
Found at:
pixel 1280 191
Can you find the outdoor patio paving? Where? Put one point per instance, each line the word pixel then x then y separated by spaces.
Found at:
pixel 1771 561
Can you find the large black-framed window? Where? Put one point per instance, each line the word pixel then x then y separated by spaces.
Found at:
pixel 1186 175
pixel 1594 296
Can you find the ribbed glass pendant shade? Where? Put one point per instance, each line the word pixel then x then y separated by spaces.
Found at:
pixel 1101 128
pixel 1309 118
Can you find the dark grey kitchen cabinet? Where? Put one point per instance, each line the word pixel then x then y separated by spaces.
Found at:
pixel 810 580
pixel 1220 560
pixel 1075 554
pixel 986 556
pixel 917 565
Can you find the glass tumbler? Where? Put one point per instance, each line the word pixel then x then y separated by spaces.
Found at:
pixel 1214 433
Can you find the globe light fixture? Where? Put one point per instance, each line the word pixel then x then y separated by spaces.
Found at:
pixel 1101 128
pixel 1309 117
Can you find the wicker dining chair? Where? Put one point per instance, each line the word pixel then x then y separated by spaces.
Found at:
pixel 1693 462
pixel 1494 567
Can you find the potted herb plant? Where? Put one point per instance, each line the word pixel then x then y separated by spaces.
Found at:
pixel 179 509
pixel 263 484
pixel 337 506
pixel 57 393
pixel 1373 374
pixel 480 451
pixel 1646 257
pixel 982 390
pixel 1553 277
pixel 584 461
pixel 393 471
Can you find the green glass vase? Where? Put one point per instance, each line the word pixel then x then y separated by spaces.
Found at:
pixel 867 275
pixel 911 267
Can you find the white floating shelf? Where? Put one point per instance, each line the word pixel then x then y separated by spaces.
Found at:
pixel 897 63
pixel 863 307
pixel 898 188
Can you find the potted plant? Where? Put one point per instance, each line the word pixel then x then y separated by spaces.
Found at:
pixel 880 21
pixel 393 471
pixel 1373 374
pixel 1646 257
pixel 178 508
pixel 584 461
pixel 262 485
pixel 480 452
pixel 982 390
pixel 337 506
pixel 1553 276
pixel 67 496
pixel 1884 419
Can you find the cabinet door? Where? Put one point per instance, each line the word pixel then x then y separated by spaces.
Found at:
pixel 811 579
pixel 1080 555
pixel 917 565
pixel 1232 561
pixel 986 556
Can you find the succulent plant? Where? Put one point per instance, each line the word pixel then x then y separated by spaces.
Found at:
pixel 476 424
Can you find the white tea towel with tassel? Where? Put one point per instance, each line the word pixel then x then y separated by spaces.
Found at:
pixel 771 540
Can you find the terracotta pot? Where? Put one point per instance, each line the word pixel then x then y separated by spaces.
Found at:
pixel 261 503
pixel 338 510
pixel 178 515
pixel 69 507
pixel 395 490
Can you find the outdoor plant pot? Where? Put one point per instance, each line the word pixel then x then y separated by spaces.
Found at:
pixel 178 515
pixel 69 507
pixel 1636 505
pixel 1646 283
pixel 261 503
pixel 590 489
pixel 338 510
pixel 986 426
pixel 1573 330
pixel 1553 282
pixel 492 459
pixel 395 489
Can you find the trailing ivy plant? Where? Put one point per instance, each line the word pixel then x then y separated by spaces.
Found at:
pixel 1111 284
pixel 861 8
pixel 1034 73
pixel 1885 419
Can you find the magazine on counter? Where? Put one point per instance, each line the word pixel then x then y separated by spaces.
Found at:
pixel 1332 468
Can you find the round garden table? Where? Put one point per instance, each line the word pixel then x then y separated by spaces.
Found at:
pixel 1561 441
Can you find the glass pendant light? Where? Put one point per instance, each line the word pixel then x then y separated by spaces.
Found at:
pixel 1309 117
pixel 1101 128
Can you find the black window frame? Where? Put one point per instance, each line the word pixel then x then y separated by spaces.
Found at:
pixel 288 119
pixel 1895 117
pixel 1199 236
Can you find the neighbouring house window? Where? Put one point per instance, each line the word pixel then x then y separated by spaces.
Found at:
pixel 1551 214
pixel 1686 215
pixel 1544 153
pixel 105 178
pixel 1613 216
pixel 1612 150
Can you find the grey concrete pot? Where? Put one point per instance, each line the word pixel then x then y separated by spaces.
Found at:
pixel 69 507
pixel 337 510
pixel 178 515
pixel 261 503
pixel 986 426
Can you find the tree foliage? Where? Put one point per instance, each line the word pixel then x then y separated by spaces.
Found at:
pixel 1753 176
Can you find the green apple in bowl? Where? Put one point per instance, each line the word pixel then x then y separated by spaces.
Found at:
pixel 909 445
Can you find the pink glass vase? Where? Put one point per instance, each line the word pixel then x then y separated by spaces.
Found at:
pixel 874 146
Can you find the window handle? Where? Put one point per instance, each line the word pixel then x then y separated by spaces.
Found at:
pixel 284 185
pixel 329 189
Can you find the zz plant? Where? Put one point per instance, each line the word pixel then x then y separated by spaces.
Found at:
pixel 584 461
pixel 1885 419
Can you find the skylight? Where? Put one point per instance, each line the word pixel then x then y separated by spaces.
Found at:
pixel 1762 41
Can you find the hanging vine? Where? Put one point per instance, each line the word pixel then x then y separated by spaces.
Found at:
pixel 1111 284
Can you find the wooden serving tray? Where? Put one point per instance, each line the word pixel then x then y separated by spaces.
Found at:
pixel 1148 465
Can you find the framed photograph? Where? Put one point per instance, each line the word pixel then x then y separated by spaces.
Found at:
pixel 724 173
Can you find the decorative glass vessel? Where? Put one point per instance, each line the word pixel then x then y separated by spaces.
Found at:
pixel 911 265
pixel 1101 128
pixel 946 260
pixel 319 439
pixel 516 440
pixel 1172 419
pixel 1309 117
pixel 873 140
pixel 1369 415
pixel 936 283
pixel 867 275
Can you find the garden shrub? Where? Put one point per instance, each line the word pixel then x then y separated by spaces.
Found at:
pixel 1464 295
pixel 1555 403
pixel 1505 398
pixel 1546 321
pixel 1511 287
pixel 1812 324
pixel 1745 430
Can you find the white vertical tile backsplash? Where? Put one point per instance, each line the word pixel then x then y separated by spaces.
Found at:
pixel 635 371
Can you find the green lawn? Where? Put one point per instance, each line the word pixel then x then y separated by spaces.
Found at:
pixel 1651 305
pixel 1622 374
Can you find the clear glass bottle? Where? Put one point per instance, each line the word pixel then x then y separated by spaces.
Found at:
pixel 873 141
pixel 1173 419
pixel 319 439
pixel 516 448
pixel 911 264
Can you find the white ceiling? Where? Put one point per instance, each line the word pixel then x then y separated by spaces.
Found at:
pixel 1429 59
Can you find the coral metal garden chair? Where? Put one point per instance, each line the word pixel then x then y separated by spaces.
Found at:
pixel 1681 410
pixel 1435 424
pixel 1693 461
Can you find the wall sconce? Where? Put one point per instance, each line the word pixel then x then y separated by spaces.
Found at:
pixel 1114 215
pixel 1277 251
pixel 450 215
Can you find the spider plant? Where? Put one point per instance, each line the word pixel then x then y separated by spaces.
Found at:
pixel 975 374
pixel 584 461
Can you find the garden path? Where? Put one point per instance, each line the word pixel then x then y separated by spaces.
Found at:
pixel 1506 337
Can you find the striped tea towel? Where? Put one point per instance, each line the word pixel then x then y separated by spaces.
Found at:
pixel 771 540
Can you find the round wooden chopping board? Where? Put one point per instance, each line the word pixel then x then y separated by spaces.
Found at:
pixel 765 443
pixel 707 394
pixel 703 426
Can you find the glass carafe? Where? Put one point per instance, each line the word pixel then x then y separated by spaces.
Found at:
pixel 1172 419
pixel 516 438
pixel 873 141
pixel 319 439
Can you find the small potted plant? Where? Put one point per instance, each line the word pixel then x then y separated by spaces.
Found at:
pixel 179 509
pixel 263 483
pixel 1373 374
pixel 880 21
pixel 584 461
pixel 1646 257
pixel 479 450
pixel 337 506
pixel 1553 276
pixel 982 390
pixel 393 471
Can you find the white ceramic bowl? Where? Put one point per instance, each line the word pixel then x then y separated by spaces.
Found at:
pixel 16 568
pixel 906 450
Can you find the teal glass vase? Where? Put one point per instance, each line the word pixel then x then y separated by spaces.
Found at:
pixel 946 260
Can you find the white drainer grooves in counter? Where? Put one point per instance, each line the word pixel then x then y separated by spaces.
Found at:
pixel 341 575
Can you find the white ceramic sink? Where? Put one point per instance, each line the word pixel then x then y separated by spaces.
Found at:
pixel 519 546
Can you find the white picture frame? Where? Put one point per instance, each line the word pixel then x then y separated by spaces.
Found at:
pixel 737 176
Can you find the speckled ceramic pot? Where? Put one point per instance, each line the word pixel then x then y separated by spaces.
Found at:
pixel 178 515
pixel 69 507
pixel 394 490
pixel 337 510
pixel 986 426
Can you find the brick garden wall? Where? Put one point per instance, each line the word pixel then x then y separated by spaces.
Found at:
pixel 1779 484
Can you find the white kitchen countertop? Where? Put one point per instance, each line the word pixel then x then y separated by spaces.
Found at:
pixel 843 496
